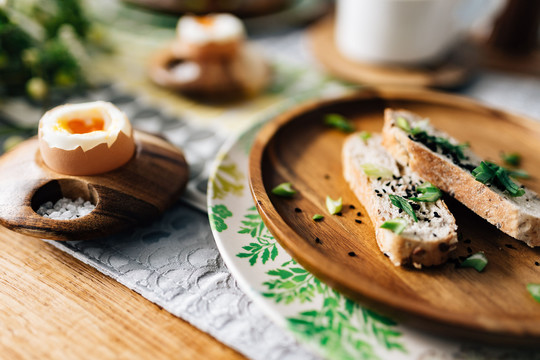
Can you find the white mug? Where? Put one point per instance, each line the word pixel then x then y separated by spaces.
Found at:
pixel 407 32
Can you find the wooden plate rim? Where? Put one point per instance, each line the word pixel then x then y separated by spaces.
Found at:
pixel 357 288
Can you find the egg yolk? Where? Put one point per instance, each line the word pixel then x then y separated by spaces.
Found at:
pixel 82 126
pixel 205 20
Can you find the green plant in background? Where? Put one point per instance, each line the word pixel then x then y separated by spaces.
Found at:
pixel 265 247
pixel 43 47
pixel 227 180
pixel 218 214
pixel 344 329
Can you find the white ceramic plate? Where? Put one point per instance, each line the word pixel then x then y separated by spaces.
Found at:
pixel 323 319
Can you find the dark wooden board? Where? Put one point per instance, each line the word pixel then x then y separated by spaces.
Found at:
pixel 133 194
pixel 493 305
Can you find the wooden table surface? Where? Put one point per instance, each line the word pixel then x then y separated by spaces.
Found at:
pixel 53 306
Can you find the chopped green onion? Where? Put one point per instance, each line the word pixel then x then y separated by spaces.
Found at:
pixel 364 135
pixel 491 173
pixel 510 186
pixel 284 189
pixel 339 122
pixel 333 206
pixel 317 217
pixel 477 261
pixel 429 192
pixel 403 204
pixel 518 173
pixel 376 171
pixel 534 290
pixel 403 124
pixel 484 172
pixel 396 225
pixel 513 159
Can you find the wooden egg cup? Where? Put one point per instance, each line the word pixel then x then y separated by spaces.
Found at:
pixel 135 193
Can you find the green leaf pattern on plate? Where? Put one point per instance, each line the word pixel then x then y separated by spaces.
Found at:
pixel 265 246
pixel 227 180
pixel 218 214
pixel 342 328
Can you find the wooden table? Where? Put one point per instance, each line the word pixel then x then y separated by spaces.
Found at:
pixel 54 306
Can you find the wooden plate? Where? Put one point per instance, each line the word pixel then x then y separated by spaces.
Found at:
pixel 454 71
pixel 492 306
pixel 133 194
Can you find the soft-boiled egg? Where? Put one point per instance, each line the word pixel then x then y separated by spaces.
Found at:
pixel 209 36
pixel 85 139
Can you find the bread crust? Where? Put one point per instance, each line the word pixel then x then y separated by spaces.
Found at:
pixel 400 249
pixel 459 183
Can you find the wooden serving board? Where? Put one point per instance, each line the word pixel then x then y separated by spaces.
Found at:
pixel 297 147
pixel 126 197
pixel 454 71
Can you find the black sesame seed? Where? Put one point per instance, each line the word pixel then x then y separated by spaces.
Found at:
pixel 352 253
pixel 298 210
pixel 318 241
pixel 358 221
pixel 379 195
pixel 436 214
pixel 434 235
pixel 400 210
pixel 384 191
pixel 377 191
pixel 339 213
pixel 359 214
pixel 510 246
pixel 351 207
pixel 537 263
pixel 443 247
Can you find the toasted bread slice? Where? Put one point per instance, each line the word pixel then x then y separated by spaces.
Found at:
pixel 425 242
pixel 518 216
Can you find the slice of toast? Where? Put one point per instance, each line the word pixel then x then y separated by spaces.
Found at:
pixel 426 242
pixel 517 216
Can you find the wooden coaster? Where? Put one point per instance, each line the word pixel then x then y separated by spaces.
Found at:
pixel 126 197
pixel 297 147
pixel 453 72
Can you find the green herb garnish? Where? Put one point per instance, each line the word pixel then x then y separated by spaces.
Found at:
pixel 477 261
pixel 429 193
pixel 376 171
pixel 333 206
pixel 490 173
pixel 402 203
pixel 433 142
pixel 364 135
pixel 396 225
pixel 339 122
pixel 518 174
pixel 284 189
pixel 403 124
pixel 534 290
pixel 513 159
pixel 317 217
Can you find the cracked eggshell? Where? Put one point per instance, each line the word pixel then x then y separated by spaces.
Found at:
pixel 85 152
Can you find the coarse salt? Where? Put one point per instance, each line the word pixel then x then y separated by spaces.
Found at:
pixel 66 209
